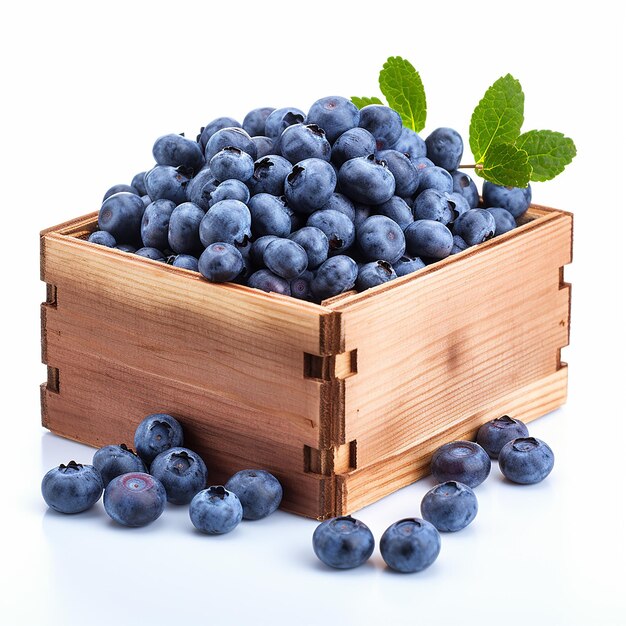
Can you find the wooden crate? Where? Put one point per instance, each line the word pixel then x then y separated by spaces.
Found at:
pixel 344 402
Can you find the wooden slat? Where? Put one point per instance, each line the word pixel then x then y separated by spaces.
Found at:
pixel 434 350
pixel 365 486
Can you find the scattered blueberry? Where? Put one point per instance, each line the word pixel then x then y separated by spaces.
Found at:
pixel 356 142
pixel 304 141
pixel 182 472
pixel 334 276
pixel 315 244
pixel 373 274
pixel 230 190
pixel 429 239
pixel 178 151
pixel 120 215
pixel 134 499
pixel 504 220
pixel 475 226
pixel 221 262
pixel 494 434
pixel 72 488
pixel 186 261
pixel 450 506
pixel 410 545
pixel 259 491
pixel 117 188
pixel 435 178
pixel 215 510
pixel 381 239
pixel 265 280
pixel 526 460
pixel 254 121
pixel 269 215
pixel 155 224
pixel 310 184
pixel 156 433
pixel 384 123
pixel 403 170
pixel 411 144
pixel 515 200
pixel 463 461
pixel 463 184
pixel 407 265
pixel 343 542
pixel 183 235
pixel 444 147
pixel 285 258
pixel 230 137
pixel 431 204
pixel 227 221
pixel 103 238
pixel 112 461
pixel 279 119
pixel 366 180
pixel 232 163
pixel 213 126
pixel 168 183
pixel 337 227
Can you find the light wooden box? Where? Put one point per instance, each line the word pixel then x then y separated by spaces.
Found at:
pixel 343 402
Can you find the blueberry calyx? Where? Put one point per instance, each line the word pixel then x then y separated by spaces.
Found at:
pixel 293 118
pixel 386 266
pixel 232 149
pixel 261 168
pixel 293 176
pixel 316 130
pixel 335 243
pixel 373 159
pixel 182 462
pixel 165 425
pixel 181 134
pixel 524 444
pixel 219 491
pixel 186 171
pixel 127 449
pixel 72 465
pixel 505 419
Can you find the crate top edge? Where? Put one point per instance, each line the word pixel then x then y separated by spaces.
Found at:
pixel 70 233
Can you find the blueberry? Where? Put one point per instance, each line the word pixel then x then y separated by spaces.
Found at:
pixel 112 461
pixel 213 126
pixel 431 204
pixel 258 248
pixel 410 545
pixel 356 142
pixel 411 144
pixel 339 202
pixel 186 261
pixel 259 491
pixel 463 461
pixel 381 239
pixel 406 265
pixel 265 280
pixel 434 178
pixel 230 137
pixel 494 434
pixel 139 184
pixel 458 203
pixel 428 238
pixel 215 510
pixel 444 147
pixel 301 286
pixel 475 226
pixel 221 262
pixel 526 460
pixel 182 472
pixel 227 221
pixel 269 175
pixel 168 183
pixel 270 215
pixel 450 506
pixel 343 542
pixel 230 190
pixel 155 223
pixel 403 170
pixel 463 184
pixel 384 123
pixel 458 245
pixel 117 188
pixel 337 227
pixel 264 145
pixel 102 238
pixel 72 488
pixel 304 141
pixel 334 276
pixel 373 274
pixel 183 235
pixel 151 253
pixel 398 210
pixel 178 151
pixel 315 244
pixel 120 215
pixel 310 184
pixel 134 499
pixel 515 200
pixel 126 247
pixel 279 119
pixel 334 114
pixel 285 258
pixel 366 180
pixel 232 163
pixel 504 220
pixel 254 121
pixel 156 433
pixel 201 187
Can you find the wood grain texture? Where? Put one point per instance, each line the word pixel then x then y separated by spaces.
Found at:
pixel 344 402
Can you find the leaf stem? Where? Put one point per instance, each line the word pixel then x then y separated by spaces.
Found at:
pixel 476 166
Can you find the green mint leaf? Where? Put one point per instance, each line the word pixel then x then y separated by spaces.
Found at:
pixel 498 117
pixel 363 102
pixel 548 152
pixel 401 84
pixel 507 165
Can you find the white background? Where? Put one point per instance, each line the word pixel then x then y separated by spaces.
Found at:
pixel 87 87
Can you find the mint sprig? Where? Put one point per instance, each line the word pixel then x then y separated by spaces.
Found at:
pixel 361 102
pixel 503 155
pixel 402 86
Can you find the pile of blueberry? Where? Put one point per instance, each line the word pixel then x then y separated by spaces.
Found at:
pixel 306 204
pixel 413 544
pixel 135 497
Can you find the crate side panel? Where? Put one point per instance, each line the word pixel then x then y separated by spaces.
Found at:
pixel 367 485
pixel 98 403
pixel 244 350
pixel 433 351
